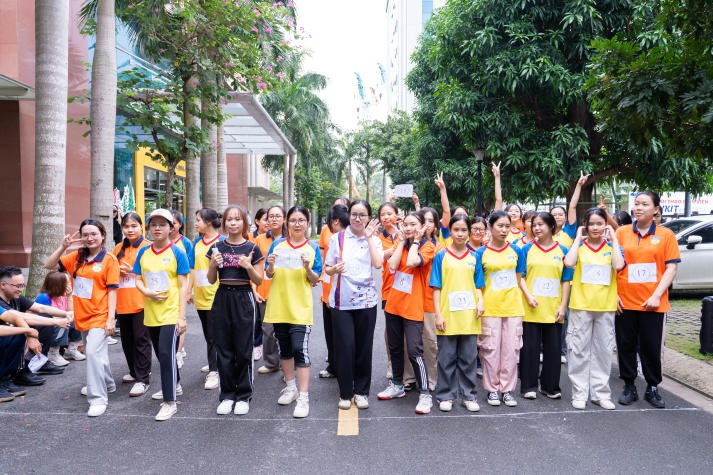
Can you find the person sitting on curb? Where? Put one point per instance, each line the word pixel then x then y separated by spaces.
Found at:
pixel 12 283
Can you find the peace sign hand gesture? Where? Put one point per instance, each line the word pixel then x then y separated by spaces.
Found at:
pixel 582 178
pixel 496 169
pixel 439 181
pixel 69 240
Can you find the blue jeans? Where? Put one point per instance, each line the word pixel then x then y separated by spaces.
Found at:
pixel 11 349
pixel 67 335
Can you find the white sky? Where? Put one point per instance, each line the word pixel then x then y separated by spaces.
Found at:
pixel 345 37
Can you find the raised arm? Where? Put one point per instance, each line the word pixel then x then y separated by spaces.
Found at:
pixel 498 188
pixel 572 210
pixel 446 218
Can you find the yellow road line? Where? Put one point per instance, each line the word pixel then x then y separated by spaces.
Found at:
pixel 348 421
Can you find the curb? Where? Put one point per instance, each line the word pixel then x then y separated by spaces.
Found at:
pixel 687 371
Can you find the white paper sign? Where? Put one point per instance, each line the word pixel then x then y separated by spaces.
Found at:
pixel 642 273
pixel 403 191
pixel 288 259
pixel 157 281
pixel 461 300
pixel 596 274
pixel 543 287
pixel 202 278
pixel 403 282
pixel 83 287
pixel 127 281
pixel 503 279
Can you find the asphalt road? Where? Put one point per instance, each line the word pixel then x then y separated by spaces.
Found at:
pixel 48 431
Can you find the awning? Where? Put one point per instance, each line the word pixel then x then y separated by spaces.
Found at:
pixel 11 90
pixel 250 128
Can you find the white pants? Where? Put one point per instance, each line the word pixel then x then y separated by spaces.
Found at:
pixel 99 378
pixel 590 342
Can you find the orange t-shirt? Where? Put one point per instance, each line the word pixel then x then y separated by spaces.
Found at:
pixel 387 277
pixel 264 241
pixel 407 294
pixel 128 297
pixel 646 258
pixel 324 236
pixel 92 284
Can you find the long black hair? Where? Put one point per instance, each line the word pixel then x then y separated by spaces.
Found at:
pixel 126 243
pixel 83 252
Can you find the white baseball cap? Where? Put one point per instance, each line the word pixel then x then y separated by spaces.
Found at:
pixel 163 213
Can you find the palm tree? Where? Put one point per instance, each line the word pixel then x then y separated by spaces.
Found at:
pixel 51 73
pixel 103 114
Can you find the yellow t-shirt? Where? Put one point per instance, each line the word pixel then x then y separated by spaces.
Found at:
pixel 457 277
pixel 545 271
pixel 594 283
pixel 502 296
pixel 203 291
pixel 290 298
pixel 159 271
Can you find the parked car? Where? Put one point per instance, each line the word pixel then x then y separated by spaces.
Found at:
pixel 695 241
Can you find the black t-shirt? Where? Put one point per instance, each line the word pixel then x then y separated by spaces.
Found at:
pixel 21 304
pixel 231 272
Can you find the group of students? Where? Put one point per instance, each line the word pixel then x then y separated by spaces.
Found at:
pixel 454 290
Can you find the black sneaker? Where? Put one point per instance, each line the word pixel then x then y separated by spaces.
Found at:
pixel 25 377
pixel 629 395
pixel 49 368
pixel 5 395
pixel 8 386
pixel 653 397
pixel 409 387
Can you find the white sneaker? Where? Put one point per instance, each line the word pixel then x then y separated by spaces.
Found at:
pixel 425 403
pixel 493 398
pixel 471 405
pixel 127 378
pixel 605 404
pixel 266 370
pixel 345 404
pixel 205 369
pixel 392 391
pixel 257 353
pixel 287 395
pixel 212 380
pixel 563 359
pixel 225 407
pixel 111 341
pixel 578 404
pixel 183 352
pixel 96 410
pixel 530 395
pixel 301 408
pixel 138 389
pixel 241 408
pixel 445 406
pixel 509 399
pixel 361 401
pixel 73 353
pixel 159 395
pixel 55 358
pixel 83 391
pixel 168 409
pixel 179 359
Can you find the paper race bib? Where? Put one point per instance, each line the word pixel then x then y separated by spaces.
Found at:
pixel 543 287
pixel 503 279
pixel 596 274
pixel 127 281
pixel 288 259
pixel 157 281
pixel 202 278
pixel 83 287
pixel 403 282
pixel 642 273
pixel 461 300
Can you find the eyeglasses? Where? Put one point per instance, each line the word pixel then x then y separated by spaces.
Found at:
pixel 359 217
pixel 275 217
pixel 88 235
pixel 17 286
pixel 301 222
pixel 477 230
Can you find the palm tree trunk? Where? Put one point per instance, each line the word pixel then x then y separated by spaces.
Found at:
pixel 193 163
pixel 51 71
pixel 293 162
pixel 222 187
pixel 209 164
pixel 286 181
pixel 103 115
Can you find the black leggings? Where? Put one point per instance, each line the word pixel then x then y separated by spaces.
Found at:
pixel 165 344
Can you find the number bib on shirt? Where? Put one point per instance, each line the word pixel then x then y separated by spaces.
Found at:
pixel 157 281
pixel 127 282
pixel 403 282
pixel 503 279
pixel 642 273
pixel 83 287
pixel 596 274
pixel 461 300
pixel 202 278
pixel 544 287
pixel 288 259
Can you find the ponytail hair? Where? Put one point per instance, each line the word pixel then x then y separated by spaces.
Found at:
pixel 83 252
pixel 210 216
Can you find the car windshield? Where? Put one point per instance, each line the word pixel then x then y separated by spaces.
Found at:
pixel 679 225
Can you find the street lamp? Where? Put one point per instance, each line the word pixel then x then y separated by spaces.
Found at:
pixel 479 155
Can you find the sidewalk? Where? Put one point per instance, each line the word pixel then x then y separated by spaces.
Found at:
pixel 694 373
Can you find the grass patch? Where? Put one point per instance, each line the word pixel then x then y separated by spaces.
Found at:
pixel 687 347
pixel 686 303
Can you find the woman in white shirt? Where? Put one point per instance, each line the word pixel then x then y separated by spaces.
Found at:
pixel 351 255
